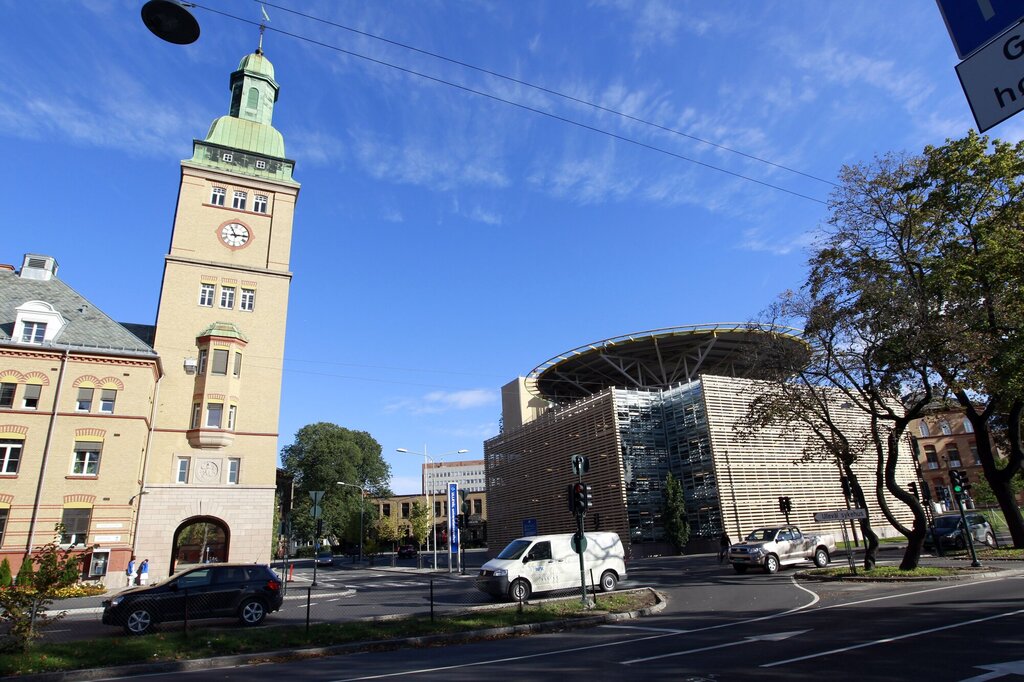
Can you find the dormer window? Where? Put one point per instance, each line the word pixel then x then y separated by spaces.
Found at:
pixel 227 157
pixel 33 332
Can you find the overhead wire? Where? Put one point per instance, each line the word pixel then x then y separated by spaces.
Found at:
pixel 563 119
pixel 550 91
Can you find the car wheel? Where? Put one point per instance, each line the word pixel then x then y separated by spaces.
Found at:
pixel 990 539
pixel 140 621
pixel 739 569
pixel 960 544
pixel 771 564
pixel 519 590
pixel 821 557
pixel 252 612
pixel 608 581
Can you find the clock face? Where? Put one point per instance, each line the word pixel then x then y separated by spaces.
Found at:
pixel 234 234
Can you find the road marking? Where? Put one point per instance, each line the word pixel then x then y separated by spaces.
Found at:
pixel 638 627
pixel 998 670
pixel 774 637
pixel 897 638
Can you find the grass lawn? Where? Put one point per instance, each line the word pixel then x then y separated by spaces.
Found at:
pixel 204 643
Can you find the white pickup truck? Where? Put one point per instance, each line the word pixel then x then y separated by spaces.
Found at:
pixel 770 548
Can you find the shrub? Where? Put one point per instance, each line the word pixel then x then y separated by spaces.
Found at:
pixel 5 574
pixel 25 573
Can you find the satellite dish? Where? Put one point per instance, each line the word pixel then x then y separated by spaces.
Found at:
pixel 170 21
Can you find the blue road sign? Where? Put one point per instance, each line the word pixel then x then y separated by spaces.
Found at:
pixel 529 527
pixel 453 510
pixel 972 23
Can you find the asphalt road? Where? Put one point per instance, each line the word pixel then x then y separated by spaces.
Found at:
pixel 723 626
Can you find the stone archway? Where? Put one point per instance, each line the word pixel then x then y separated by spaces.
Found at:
pixel 200 540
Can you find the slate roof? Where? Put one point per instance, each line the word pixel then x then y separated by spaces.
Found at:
pixel 87 328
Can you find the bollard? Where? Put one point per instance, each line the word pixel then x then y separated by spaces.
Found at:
pixel 291 572
pixel 309 598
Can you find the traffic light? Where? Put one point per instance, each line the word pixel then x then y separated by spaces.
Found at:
pixel 926 492
pixel 579 497
pixel 847 490
pixel 570 497
pixel 588 497
pixel 319 527
pixel 460 521
pixel 785 505
pixel 959 481
pixel 913 488
pixel 465 507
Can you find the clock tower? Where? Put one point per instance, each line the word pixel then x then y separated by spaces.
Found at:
pixel 211 463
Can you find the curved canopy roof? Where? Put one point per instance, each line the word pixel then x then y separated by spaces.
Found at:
pixel 659 359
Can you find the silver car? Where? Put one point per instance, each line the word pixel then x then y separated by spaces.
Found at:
pixel 949 530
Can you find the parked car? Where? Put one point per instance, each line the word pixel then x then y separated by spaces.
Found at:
pixel 246 591
pixel 949 529
pixel 407 552
pixel 771 548
pixel 325 557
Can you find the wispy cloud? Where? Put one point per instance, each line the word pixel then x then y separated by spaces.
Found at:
pixel 438 402
pixel 419 163
pixel 755 240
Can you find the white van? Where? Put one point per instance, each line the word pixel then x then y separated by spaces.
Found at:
pixel 541 563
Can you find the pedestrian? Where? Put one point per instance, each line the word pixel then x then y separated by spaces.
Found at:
pixel 724 543
pixel 144 572
pixel 130 571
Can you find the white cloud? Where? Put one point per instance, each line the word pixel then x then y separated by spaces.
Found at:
pixel 440 168
pixel 754 240
pixel 439 402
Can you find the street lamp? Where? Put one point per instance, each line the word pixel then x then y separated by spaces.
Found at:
pixel 430 505
pixel 362 507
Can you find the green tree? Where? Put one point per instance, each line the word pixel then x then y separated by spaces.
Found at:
pixel 25 573
pixel 385 529
pixel 24 607
pixel 673 515
pixel 419 522
pixel 5 573
pixel 981 491
pixel 323 454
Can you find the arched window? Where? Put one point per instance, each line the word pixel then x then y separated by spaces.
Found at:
pixel 253 100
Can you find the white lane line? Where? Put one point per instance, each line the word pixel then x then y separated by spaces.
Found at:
pixel 638 627
pixel 774 637
pixel 897 638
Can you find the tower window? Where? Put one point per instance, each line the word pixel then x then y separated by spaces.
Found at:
pixel 259 201
pixel 227 157
pixel 206 294
pixel 33 332
pixel 214 415
pixel 227 297
pixel 239 201
pixel 220 361
pixel 248 300
pixel 217 195
pixel 253 100
pixel 261 164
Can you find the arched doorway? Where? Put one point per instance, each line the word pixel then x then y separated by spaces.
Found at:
pixel 199 540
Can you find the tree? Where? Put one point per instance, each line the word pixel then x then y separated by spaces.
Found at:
pixel 673 515
pixel 981 491
pixel 25 572
pixel 386 530
pixel 323 454
pixel 419 522
pixel 24 606
pixel 5 574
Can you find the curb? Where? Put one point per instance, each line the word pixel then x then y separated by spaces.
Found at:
pixel 233 660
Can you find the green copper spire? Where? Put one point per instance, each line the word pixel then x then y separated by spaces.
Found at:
pixel 244 141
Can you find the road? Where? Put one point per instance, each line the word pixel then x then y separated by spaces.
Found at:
pixel 722 626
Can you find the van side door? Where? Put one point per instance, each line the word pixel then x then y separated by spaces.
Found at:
pixel 540 567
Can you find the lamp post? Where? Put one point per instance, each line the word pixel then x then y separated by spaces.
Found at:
pixel 433 522
pixel 362 507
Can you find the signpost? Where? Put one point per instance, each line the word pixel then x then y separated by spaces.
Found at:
pixel 988 38
pixel 993 79
pixel 317 496
pixel 841 515
pixel 972 23
pixel 453 524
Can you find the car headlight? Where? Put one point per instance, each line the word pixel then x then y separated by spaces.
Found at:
pixel 500 572
pixel 756 550
pixel 116 600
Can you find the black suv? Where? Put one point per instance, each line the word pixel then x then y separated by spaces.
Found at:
pixel 248 591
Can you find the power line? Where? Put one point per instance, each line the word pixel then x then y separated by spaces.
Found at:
pixel 549 91
pixel 534 110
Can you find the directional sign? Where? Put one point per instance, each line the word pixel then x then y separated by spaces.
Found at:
pixel 315 511
pixel 316 496
pixel 841 515
pixel 993 79
pixel 453 512
pixel 972 23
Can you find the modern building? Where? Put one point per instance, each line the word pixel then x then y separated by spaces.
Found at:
pixel 160 441
pixel 641 406
pixel 468 474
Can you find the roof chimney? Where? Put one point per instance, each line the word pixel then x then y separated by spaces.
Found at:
pixel 38 267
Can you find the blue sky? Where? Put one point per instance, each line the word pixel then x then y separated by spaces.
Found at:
pixel 446 242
